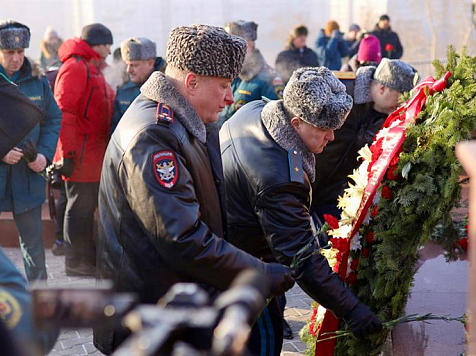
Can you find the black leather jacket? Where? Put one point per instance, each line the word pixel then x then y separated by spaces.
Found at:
pixel 152 236
pixel 268 206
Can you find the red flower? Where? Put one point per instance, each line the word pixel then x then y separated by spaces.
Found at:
pixel 386 193
pixel 391 173
pixel 374 212
pixel 389 47
pixel 331 221
pixel 463 243
pixel 370 237
pixel 311 329
pixel 354 264
pixel 338 243
pixel 365 252
pixel 376 150
pixel 352 278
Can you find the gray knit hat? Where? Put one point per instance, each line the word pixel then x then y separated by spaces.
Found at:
pixel 206 50
pixel 14 35
pixel 245 29
pixel 138 48
pixel 316 96
pixel 96 34
pixel 396 75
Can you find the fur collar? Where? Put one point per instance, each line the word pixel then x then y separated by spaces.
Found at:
pixel 252 65
pixel 276 122
pixel 159 89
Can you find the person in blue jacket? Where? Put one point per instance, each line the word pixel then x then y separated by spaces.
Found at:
pixel 331 46
pixel 16 314
pixel 257 79
pixel 139 54
pixel 22 189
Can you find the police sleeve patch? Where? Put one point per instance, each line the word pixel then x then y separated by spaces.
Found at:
pixel 10 310
pixel 165 168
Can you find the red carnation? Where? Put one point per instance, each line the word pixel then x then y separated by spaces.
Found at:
pixel 386 193
pixel 338 243
pixel 331 221
pixel 374 212
pixel 389 47
pixel 354 264
pixel 311 329
pixel 463 243
pixel 391 173
pixel 365 252
pixel 370 237
pixel 352 278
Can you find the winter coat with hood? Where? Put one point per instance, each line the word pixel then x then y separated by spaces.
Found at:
pixel 330 50
pixel 22 189
pixel 86 101
pixel 389 42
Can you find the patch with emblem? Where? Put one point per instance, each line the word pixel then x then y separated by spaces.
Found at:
pixel 239 104
pixel 10 310
pixel 164 113
pixel 279 91
pixel 165 168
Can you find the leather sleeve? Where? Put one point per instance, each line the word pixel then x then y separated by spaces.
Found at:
pixel 285 220
pixel 171 216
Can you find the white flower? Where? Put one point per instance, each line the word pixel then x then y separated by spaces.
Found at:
pixel 367 218
pixel 342 232
pixel 365 154
pixel 349 261
pixel 355 244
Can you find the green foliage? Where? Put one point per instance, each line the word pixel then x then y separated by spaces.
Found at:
pixel 422 200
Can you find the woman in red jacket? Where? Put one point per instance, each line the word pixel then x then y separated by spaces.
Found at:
pixel 86 101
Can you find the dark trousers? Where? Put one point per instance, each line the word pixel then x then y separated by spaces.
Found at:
pixel 60 211
pixel 30 229
pixel 82 201
pixel 266 336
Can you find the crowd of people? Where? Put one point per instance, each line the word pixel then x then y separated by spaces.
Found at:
pixel 201 164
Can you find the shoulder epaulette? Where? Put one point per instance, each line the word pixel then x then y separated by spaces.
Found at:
pixel 164 114
pixel 296 172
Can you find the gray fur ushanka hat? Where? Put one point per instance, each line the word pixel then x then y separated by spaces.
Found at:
pixel 138 48
pixel 245 29
pixel 395 74
pixel 14 35
pixel 316 96
pixel 206 50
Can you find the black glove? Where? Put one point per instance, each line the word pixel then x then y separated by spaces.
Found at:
pixel 362 321
pixel 280 279
pixel 29 150
pixel 68 167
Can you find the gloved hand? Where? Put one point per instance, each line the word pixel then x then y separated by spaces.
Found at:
pixel 29 150
pixel 68 167
pixel 280 278
pixel 362 321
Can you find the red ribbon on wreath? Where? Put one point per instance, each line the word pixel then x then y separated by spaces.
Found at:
pixel 395 137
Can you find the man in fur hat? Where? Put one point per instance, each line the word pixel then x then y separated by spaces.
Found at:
pixel 161 200
pixel 268 163
pixel 257 78
pixel 22 188
pixel 140 56
pixel 376 92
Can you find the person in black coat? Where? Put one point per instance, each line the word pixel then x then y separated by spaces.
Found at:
pixel 376 92
pixel 161 203
pixel 268 164
pixel 389 40
pixel 296 55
